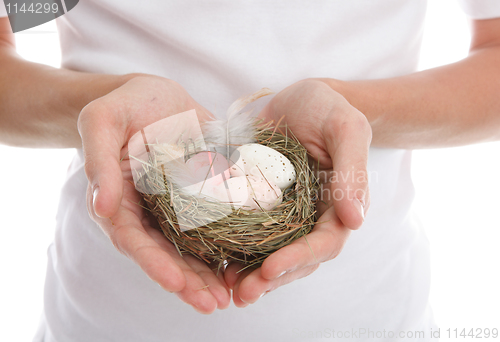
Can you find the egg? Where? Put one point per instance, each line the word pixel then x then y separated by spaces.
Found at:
pixel 262 161
pixel 207 165
pixel 233 190
pixel 249 192
pixel 206 171
pixel 213 179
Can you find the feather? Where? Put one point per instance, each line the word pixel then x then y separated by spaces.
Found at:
pixel 171 160
pixel 236 129
pixel 222 136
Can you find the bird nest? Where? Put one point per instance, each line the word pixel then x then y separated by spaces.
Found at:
pixel 235 234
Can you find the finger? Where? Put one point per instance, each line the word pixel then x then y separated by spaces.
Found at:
pixel 203 290
pixel 325 242
pixel 348 139
pixel 197 294
pixel 197 291
pixel 213 280
pixel 130 238
pixel 219 272
pixel 102 140
pixel 251 287
pixel 232 273
pixel 242 275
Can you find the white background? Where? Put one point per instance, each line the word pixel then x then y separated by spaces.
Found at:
pixel 457 200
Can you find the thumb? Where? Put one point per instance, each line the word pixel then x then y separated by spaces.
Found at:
pixel 348 146
pixel 102 140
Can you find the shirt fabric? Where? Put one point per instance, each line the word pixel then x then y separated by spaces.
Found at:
pixel 376 290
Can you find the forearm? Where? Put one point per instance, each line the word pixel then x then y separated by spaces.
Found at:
pixel 39 105
pixel 451 105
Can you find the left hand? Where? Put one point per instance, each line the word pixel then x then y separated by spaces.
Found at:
pixel 338 136
pixel 106 126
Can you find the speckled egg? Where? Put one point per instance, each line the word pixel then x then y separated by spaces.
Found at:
pixel 262 161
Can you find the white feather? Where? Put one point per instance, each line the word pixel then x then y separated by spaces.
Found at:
pixel 170 159
pixel 223 135
pixel 236 129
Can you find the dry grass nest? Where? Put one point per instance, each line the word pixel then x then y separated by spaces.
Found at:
pixel 245 236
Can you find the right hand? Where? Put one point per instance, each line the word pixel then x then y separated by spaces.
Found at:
pixel 105 126
pixel 337 136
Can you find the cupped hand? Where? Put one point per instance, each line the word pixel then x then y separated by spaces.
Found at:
pixel 105 126
pixel 337 137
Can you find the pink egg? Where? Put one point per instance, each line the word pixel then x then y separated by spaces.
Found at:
pixel 233 190
pixel 249 192
pixel 206 171
pixel 208 167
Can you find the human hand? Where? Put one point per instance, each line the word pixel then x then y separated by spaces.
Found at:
pixel 105 126
pixel 338 137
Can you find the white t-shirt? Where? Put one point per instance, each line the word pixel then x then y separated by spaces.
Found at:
pixel 376 290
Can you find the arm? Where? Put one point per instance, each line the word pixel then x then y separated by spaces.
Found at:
pixel 47 107
pixel 452 105
pixel 40 104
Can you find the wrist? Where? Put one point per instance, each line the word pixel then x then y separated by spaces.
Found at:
pixel 354 93
pixel 74 91
pixel 370 97
pixel 90 87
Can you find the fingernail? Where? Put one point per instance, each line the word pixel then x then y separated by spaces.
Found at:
pixel 359 207
pixel 246 303
pixel 94 197
pixel 290 270
pixel 284 272
pixel 162 287
pixel 263 294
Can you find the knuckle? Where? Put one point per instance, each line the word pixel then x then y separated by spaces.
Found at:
pixel 362 125
pixel 88 111
pixel 347 126
pixel 98 112
pixel 343 116
pixel 81 123
pixel 351 121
